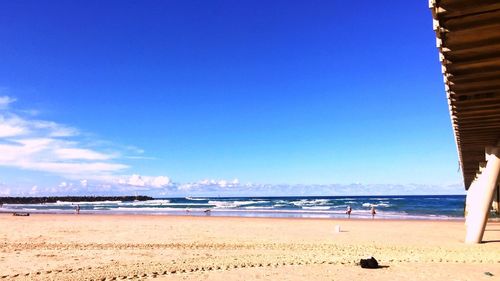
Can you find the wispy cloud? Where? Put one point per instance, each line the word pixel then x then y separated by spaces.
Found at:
pixel 47 146
pixel 5 101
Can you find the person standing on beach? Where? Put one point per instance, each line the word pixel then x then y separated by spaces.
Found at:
pixel 348 211
pixel 77 209
pixel 373 212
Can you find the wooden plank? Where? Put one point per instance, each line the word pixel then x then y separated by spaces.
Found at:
pixel 467 127
pixel 479 141
pixel 475 52
pixel 471 100
pixel 471 35
pixel 478 112
pixel 470 8
pixel 483 65
pixel 465 108
pixel 491 85
pixel 477 105
pixel 493 128
pixel 474 94
pixel 475 76
pixel 467 123
pixel 466 45
pixel 470 21
pixel 477 136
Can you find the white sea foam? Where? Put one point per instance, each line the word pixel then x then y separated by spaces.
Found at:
pixel 308 202
pixel 145 203
pixel 85 203
pixel 233 204
pixel 143 210
pixel 368 205
pixel 316 208
pixel 300 203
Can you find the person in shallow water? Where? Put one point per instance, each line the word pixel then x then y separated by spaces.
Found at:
pixel 373 212
pixel 348 211
pixel 78 209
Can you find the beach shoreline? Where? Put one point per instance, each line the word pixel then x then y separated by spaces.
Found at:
pixel 425 207
pixel 103 247
pixel 201 214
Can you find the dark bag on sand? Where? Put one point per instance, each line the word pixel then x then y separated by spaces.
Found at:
pixel 369 263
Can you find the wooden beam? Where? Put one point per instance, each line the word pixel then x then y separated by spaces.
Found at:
pixel 470 21
pixel 471 77
pixel 452 11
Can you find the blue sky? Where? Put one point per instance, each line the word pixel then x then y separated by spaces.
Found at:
pixel 222 97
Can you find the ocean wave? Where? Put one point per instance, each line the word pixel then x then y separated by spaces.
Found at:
pixel 145 203
pixel 316 208
pixel 280 205
pixel 369 205
pixel 139 206
pixel 310 202
pixel 84 203
pixel 339 206
pixel 143 210
pixel 233 204
pixel 196 198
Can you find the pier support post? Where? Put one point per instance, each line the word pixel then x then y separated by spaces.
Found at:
pixel 496 199
pixel 480 197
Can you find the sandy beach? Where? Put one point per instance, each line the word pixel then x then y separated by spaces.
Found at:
pixel 115 247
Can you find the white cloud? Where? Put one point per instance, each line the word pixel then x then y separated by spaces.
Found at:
pixel 10 127
pixel 4 191
pixel 47 146
pixel 53 129
pixel 79 153
pixel 209 183
pixel 234 188
pixel 34 190
pixel 144 181
pixel 134 180
pixel 84 183
pixel 160 181
pixel 7 130
pixel 5 101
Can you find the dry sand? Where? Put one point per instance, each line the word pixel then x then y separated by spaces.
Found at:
pixel 115 247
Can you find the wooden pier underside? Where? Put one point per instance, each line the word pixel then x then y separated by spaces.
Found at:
pixel 468 39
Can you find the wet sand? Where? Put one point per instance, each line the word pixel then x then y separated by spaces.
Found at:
pixel 116 247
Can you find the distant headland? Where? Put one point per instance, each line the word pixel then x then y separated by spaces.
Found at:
pixel 54 199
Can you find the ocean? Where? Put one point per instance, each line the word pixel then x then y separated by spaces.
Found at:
pixel 435 207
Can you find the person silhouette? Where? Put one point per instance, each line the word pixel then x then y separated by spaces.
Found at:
pixel 348 211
